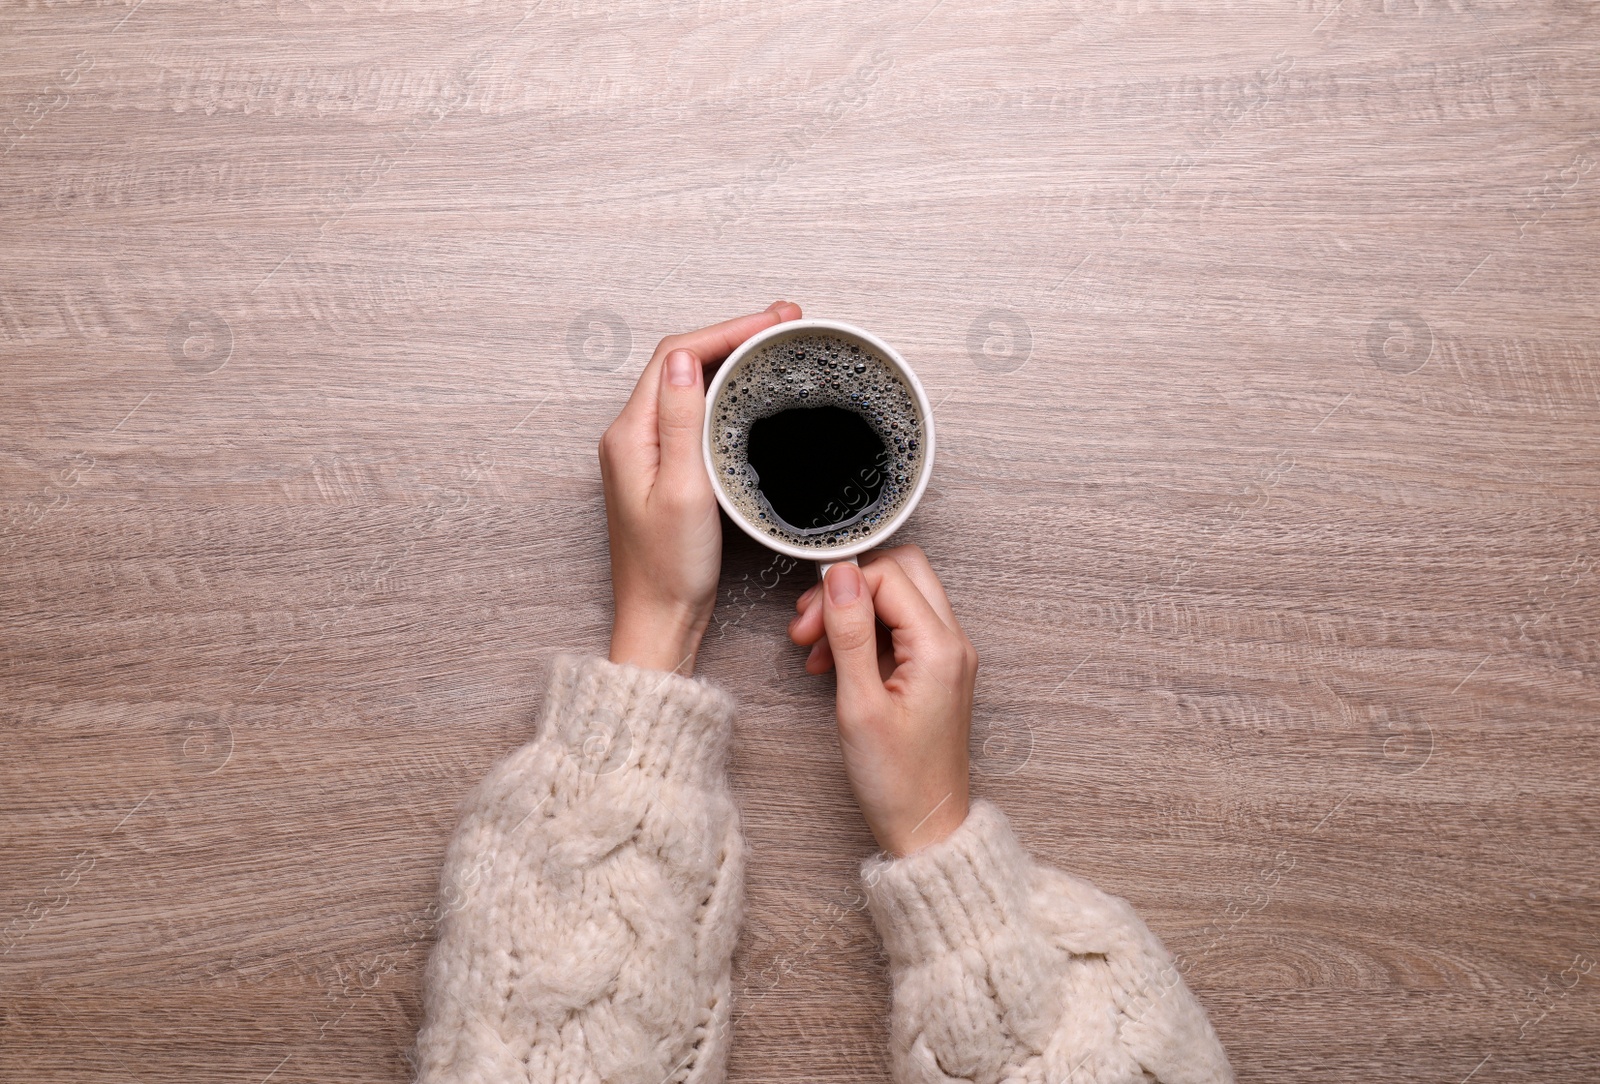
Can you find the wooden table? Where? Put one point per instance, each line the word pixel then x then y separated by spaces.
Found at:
pixel 1264 346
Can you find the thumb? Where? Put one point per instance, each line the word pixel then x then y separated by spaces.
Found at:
pixel 680 414
pixel 851 624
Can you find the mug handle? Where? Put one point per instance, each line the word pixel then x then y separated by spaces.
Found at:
pixel 823 566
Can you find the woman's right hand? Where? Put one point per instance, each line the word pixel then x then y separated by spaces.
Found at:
pixel 904 700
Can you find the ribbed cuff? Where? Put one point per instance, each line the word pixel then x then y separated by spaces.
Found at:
pixel 961 892
pixel 612 716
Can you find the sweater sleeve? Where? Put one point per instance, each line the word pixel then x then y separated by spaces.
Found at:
pixel 1004 969
pixel 591 895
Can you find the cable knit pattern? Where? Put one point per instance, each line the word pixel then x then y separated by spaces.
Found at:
pixel 1005 970
pixel 592 894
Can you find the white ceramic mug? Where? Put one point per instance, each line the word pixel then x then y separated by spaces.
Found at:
pixel 825 558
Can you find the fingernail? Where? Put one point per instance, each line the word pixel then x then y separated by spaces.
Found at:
pixel 680 368
pixel 775 306
pixel 844 584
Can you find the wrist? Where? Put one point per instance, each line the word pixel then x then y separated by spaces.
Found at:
pixel 667 641
pixel 907 835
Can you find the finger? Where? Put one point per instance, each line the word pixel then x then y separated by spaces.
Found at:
pixel 711 345
pixel 917 566
pixel 901 605
pixel 847 613
pixel 820 661
pixel 807 628
pixel 716 351
pixel 803 603
pixel 680 413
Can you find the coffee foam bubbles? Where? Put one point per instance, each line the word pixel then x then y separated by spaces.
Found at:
pixel 815 369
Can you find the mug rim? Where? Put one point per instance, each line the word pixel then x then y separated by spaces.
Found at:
pixel 836 553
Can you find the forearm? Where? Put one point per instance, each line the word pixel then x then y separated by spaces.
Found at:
pixel 1003 968
pixel 592 892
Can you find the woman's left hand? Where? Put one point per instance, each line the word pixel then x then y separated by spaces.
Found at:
pixel 661 513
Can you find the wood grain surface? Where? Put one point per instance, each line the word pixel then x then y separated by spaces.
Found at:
pixel 1263 343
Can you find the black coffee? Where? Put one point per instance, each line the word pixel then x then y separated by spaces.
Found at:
pixel 817 439
pixel 837 476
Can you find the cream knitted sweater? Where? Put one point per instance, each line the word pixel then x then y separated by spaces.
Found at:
pixel 592 896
